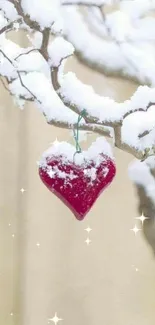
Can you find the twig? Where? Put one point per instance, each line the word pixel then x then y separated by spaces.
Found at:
pixel 32 24
pixel 23 85
pixel 26 53
pixel 9 26
pixel 20 78
pixel 81 3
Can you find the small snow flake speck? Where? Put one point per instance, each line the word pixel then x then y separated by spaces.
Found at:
pixel 135 229
pixel 55 319
pixel 87 241
pixel 22 190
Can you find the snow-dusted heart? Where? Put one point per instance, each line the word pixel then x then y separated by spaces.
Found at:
pixel 78 180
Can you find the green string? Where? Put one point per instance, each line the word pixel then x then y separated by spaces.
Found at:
pixel 76 133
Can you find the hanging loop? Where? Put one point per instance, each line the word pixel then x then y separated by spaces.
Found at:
pixel 76 133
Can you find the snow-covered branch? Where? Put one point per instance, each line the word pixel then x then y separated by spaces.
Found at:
pixel 110 49
pixel 36 74
pixel 89 3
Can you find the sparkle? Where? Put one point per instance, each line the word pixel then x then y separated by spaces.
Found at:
pixel 55 319
pixel 22 190
pixel 88 229
pixel 13 235
pixel 87 241
pixel 9 224
pixel 135 229
pixel 38 244
pixel 142 218
pixel 11 314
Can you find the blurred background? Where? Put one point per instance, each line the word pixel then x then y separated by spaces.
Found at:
pixel 46 267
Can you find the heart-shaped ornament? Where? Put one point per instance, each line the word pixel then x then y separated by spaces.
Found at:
pixel 79 179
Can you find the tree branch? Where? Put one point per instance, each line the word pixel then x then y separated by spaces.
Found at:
pixel 45 41
pixel 92 123
pixel 21 81
pixel 85 127
pixel 127 70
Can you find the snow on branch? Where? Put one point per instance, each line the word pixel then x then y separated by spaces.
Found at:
pixel 42 11
pixel 58 50
pixel 120 116
pixel 9 26
pixel 127 52
pixel 36 74
pixel 137 8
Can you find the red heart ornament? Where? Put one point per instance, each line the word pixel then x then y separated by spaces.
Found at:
pixel 77 182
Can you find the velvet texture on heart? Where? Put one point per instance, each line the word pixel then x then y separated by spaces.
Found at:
pixel 77 185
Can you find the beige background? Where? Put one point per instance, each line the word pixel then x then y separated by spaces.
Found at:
pixel 111 281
